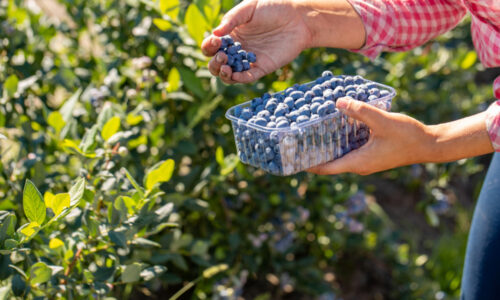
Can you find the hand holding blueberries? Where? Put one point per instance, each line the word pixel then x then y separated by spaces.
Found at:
pixel 273 31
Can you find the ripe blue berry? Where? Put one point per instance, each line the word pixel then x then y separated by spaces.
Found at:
pixel 372 98
pixel 296 95
pixel 246 114
pixel 246 65
pixel 289 102
pixel 282 124
pixel 302 119
pixel 314 107
pixel 327 74
pixel 251 57
pixel 299 103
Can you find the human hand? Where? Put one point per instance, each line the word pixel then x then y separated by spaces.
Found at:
pixel 273 29
pixel 398 140
pixel 395 140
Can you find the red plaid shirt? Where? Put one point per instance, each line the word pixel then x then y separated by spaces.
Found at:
pixel 400 25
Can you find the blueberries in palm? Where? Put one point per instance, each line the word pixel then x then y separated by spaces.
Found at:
pixel 237 58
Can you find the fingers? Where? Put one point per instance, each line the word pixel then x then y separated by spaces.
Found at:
pixel 211 45
pixel 249 76
pixel 226 74
pixel 238 15
pixel 353 162
pixel 373 117
pixel 215 63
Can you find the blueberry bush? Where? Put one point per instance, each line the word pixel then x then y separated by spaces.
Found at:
pixel 119 177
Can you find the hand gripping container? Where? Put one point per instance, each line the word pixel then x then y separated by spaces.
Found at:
pixel 309 144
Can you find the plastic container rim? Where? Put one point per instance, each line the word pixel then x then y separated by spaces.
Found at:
pixel 231 117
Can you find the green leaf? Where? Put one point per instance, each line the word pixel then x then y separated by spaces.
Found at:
pixel 211 9
pixel 162 173
pixel 192 82
pixel 33 205
pixel 56 121
pixel 174 78
pixel 57 202
pixel 132 273
pixel 111 127
pixel 69 106
pixel 219 156
pixel 76 191
pixel 118 237
pixel 230 163
pixel 7 226
pixel 133 182
pixel 170 8
pixel 145 243
pixel 66 143
pixel 133 119
pixel 469 60
pixel 29 229
pixel 40 273
pixel 89 139
pixel 162 24
pixel 10 85
pixel 196 23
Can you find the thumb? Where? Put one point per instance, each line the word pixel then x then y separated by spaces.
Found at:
pixel 361 111
pixel 238 15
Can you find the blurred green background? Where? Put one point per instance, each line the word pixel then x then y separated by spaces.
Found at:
pixel 68 67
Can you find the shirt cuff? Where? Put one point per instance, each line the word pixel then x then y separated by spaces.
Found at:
pixel 493 119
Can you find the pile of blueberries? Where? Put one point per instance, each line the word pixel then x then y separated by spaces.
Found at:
pixel 238 59
pixel 278 133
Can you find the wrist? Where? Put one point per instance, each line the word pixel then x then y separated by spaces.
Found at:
pixel 331 23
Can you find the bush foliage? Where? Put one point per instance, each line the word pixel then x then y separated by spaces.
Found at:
pixel 118 176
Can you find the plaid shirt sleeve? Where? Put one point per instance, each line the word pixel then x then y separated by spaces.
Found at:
pixel 400 25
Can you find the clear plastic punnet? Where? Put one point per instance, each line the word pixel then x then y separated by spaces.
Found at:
pixel 289 150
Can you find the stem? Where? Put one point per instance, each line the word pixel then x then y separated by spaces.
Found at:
pixel 185 288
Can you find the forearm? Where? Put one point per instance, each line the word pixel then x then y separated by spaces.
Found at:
pixel 459 139
pixel 332 23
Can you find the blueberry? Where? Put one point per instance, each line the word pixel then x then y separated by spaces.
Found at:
pixel 273 167
pixel 230 60
pixel 279 119
pixel 314 107
pixel 238 66
pixel 296 95
pixel 330 106
pixel 314 116
pixel 320 80
pixel 322 110
pixel 271 124
pixel 348 80
pixel 338 92
pixel 302 119
pixel 293 116
pixel 374 91
pixel 242 54
pixel 372 98
pixel 251 57
pixel 232 50
pixel 304 111
pixel 351 94
pixel 237 111
pixel 281 110
pixel 328 94
pixel 299 103
pixel 282 124
pixel 272 118
pixel 327 74
pixel 361 95
pixel 335 82
pixel 266 96
pixel 256 102
pixel 260 108
pixel 308 96
pixel 271 106
pixel 269 153
pixel 227 40
pixel 237 45
pixel 246 65
pixel 264 114
pixel 319 100
pixel 274 137
pixel 317 90
pixel 246 114
pixel 260 121
pixel 358 80
pixel 350 88
pixel 289 102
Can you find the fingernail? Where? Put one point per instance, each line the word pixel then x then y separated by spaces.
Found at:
pixel 214 42
pixel 341 103
pixel 223 74
pixel 219 58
